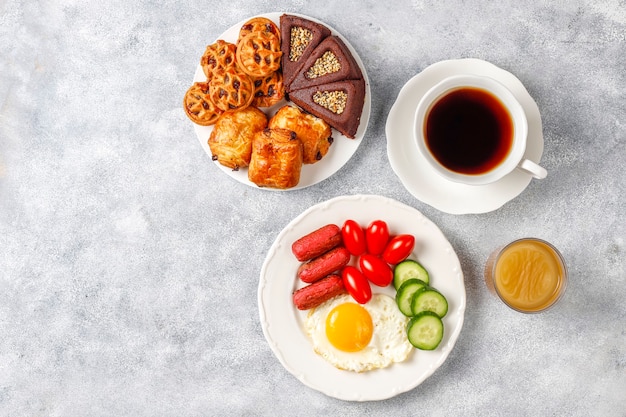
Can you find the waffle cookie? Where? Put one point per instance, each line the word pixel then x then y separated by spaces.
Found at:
pixel 218 55
pixel 231 90
pixel 258 54
pixel 198 105
pixel 258 24
pixel 268 90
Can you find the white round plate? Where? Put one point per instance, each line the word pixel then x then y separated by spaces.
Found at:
pixel 340 151
pixel 412 168
pixel 282 323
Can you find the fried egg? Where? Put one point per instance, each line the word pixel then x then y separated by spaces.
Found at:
pixel 357 337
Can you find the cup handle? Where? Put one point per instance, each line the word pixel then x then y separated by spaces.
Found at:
pixel 533 169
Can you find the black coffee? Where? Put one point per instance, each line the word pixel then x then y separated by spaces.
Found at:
pixel 469 131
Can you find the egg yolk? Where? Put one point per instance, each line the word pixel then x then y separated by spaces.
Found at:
pixel 349 327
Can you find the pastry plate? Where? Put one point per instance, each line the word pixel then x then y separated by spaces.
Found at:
pixel 282 323
pixel 412 168
pixel 340 151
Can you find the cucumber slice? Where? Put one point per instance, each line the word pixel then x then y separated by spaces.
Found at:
pixel 405 295
pixel 429 299
pixel 425 331
pixel 409 269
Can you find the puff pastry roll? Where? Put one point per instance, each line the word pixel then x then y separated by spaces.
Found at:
pixel 313 132
pixel 276 159
pixel 232 136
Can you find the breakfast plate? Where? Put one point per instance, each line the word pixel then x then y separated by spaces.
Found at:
pixel 412 168
pixel 342 147
pixel 283 324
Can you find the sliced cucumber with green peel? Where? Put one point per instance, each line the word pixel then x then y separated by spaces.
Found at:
pixel 425 331
pixel 409 269
pixel 429 299
pixel 405 293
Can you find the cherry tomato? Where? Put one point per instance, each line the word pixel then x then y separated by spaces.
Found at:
pixel 353 237
pixel 356 284
pixel 376 237
pixel 398 249
pixel 376 270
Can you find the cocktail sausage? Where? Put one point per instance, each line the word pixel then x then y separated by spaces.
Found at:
pixel 323 265
pixel 320 291
pixel 317 242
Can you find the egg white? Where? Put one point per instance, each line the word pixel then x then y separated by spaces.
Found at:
pixel 389 343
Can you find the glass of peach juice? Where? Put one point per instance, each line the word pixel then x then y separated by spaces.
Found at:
pixel 529 275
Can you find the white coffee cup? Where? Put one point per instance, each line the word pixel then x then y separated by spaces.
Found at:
pixel 451 136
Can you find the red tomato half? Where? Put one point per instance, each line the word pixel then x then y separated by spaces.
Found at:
pixel 353 237
pixel 376 270
pixel 398 249
pixel 356 284
pixel 376 236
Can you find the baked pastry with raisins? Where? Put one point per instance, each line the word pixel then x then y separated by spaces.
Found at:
pixel 314 133
pixel 276 160
pixel 258 24
pixel 268 90
pixel 198 105
pixel 340 103
pixel 218 55
pixel 232 136
pixel 258 54
pixel 299 37
pixel 231 89
pixel 330 61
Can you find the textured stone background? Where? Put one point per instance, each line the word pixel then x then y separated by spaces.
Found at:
pixel 129 263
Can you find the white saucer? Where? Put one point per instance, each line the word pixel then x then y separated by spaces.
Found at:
pixel 412 168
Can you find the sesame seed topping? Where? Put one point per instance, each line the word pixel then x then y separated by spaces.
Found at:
pixel 300 39
pixel 334 101
pixel 326 64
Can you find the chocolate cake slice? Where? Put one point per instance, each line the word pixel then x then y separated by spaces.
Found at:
pixel 340 103
pixel 330 61
pixel 299 37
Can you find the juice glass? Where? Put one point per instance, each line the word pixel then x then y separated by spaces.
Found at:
pixel 529 275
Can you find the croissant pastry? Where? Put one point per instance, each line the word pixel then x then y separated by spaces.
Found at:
pixel 276 159
pixel 232 136
pixel 314 133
